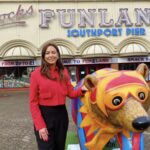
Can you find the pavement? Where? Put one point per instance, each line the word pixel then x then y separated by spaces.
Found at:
pixel 16 127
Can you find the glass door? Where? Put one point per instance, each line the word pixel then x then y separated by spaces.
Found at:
pixel 72 72
pixel 82 72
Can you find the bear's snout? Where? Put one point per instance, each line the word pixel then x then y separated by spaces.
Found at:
pixel 141 123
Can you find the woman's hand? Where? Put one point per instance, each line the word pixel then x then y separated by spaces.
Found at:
pixel 43 133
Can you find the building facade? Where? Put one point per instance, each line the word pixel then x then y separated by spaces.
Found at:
pixel 90 34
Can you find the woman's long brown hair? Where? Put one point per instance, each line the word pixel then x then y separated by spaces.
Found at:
pixel 45 66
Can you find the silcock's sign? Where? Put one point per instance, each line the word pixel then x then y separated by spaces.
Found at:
pixel 88 17
pixel 15 17
pixel 84 22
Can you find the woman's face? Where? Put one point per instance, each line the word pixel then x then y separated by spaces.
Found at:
pixel 51 55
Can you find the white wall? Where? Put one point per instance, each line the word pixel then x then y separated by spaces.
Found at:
pixel 32 33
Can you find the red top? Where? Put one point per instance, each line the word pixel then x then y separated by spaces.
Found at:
pixel 44 91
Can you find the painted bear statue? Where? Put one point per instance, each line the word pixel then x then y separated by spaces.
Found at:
pixel 115 105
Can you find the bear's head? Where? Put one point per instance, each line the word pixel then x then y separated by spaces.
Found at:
pixel 116 101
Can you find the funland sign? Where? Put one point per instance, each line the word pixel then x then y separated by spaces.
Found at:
pixel 82 22
pixel 106 27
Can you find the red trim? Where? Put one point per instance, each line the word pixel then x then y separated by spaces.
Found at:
pixel 87 70
pixel 14 89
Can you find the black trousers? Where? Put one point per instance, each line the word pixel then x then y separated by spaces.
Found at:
pixel 56 118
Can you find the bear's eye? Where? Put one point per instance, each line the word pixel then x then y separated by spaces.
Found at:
pixel 141 95
pixel 117 100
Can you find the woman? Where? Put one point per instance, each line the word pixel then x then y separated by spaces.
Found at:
pixel 49 86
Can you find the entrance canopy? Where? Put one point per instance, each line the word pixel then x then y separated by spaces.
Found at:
pixel 65 52
pixel 133 49
pixel 18 53
pixel 96 50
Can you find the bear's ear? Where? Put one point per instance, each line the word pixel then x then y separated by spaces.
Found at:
pixel 142 69
pixel 90 82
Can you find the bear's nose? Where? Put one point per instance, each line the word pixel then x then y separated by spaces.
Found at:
pixel 141 123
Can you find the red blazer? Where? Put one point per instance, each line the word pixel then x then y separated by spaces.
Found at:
pixel 44 91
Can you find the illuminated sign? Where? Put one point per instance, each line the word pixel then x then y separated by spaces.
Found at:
pixel 88 61
pixel 105 60
pixel 134 59
pixel 17 63
pixel 76 61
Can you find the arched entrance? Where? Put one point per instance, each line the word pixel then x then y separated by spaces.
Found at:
pixel 17 64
